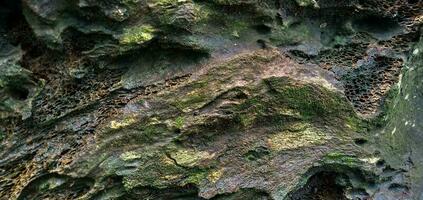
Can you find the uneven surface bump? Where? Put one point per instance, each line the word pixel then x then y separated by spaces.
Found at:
pixel 219 99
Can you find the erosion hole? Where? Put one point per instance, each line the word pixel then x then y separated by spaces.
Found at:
pixel 18 92
pixel 379 27
pixel 321 186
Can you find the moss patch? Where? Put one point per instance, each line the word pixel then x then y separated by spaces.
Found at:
pixel 342 159
pixel 137 35
pixel 310 100
pixel 179 122
pixel 190 101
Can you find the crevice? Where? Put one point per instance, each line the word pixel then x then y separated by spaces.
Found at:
pixel 360 141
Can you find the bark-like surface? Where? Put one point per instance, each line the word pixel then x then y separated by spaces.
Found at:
pixel 218 99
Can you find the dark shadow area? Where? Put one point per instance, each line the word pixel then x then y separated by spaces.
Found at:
pixel 18 92
pixel 379 27
pixel 13 25
pixel 321 186
pixel 262 29
pixel 335 182
pixel 155 62
pixel 76 42
pixel 360 141
pixel 9 14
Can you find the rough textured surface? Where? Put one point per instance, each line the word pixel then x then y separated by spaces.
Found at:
pixel 218 99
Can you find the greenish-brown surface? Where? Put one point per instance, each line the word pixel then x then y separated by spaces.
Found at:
pixel 219 99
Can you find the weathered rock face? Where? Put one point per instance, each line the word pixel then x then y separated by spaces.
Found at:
pixel 220 99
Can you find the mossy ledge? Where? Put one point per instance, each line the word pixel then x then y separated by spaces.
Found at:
pixel 217 99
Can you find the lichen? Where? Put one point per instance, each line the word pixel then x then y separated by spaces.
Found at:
pixel 130 155
pixel 189 157
pixel 292 140
pixel 215 175
pixel 123 123
pixel 138 34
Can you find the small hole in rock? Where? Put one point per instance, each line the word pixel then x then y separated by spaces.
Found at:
pixel 262 29
pixel 380 163
pixel 262 44
pixel 377 26
pixel 360 141
pixel 19 93
pixel 321 186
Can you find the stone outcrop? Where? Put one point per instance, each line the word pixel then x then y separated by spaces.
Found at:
pixel 218 99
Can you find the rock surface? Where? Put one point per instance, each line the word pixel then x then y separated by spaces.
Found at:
pixel 218 99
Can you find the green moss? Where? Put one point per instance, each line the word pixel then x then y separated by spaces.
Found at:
pixel 196 177
pixel 341 158
pixel 236 27
pixel 310 100
pixel 179 122
pixel 247 119
pixel 151 131
pixel 136 134
pixel 288 101
pixel 387 109
pixel 356 124
pixel 340 40
pixel 141 101
pixel 190 101
pixel 137 35
pixel 199 84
